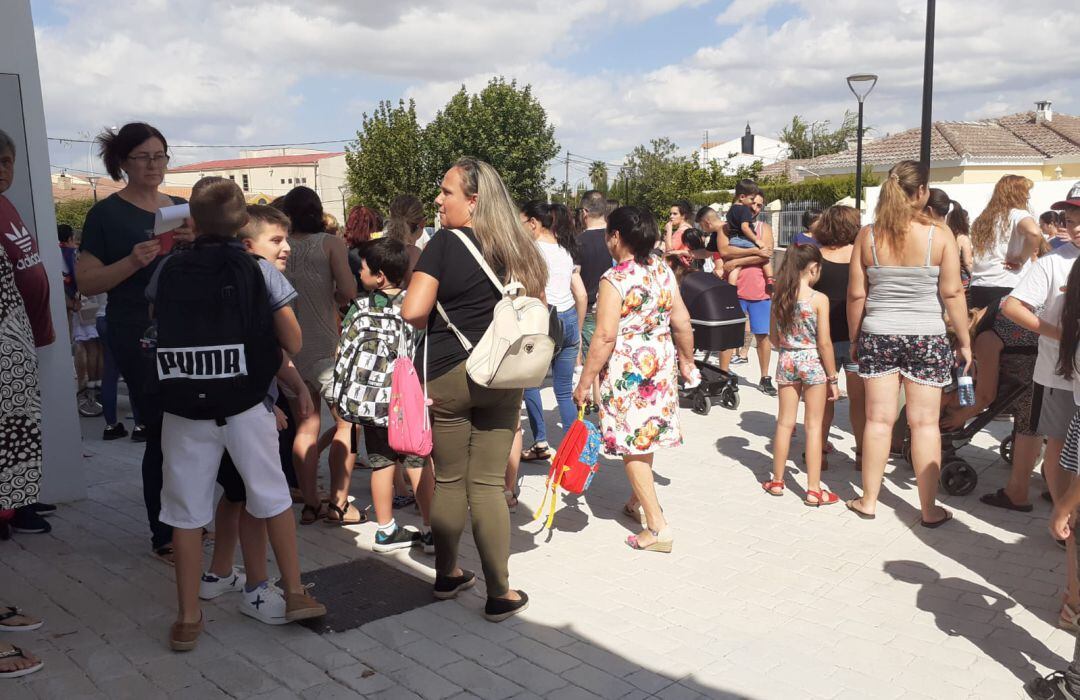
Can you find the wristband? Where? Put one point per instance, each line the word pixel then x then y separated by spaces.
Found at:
pixel 833 380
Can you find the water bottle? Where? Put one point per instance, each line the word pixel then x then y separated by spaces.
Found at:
pixel 965 390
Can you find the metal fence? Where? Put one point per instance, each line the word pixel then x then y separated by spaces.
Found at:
pixel 790 219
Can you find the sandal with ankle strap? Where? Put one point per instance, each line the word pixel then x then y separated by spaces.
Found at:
pixel 773 488
pixel 348 515
pixel 537 453
pixel 824 498
pixel 311 514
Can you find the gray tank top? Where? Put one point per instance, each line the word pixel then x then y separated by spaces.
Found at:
pixel 309 272
pixel 903 300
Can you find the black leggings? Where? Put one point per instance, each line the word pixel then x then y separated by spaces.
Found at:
pixel 136 368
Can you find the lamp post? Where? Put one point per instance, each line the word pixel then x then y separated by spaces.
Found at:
pixel 927 86
pixel 860 84
pixel 342 189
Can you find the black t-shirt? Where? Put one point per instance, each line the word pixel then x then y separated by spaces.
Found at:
pixel 465 292
pixel 833 283
pixel 112 228
pixel 594 258
pixel 738 215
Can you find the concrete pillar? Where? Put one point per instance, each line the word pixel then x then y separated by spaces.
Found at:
pixel 22 115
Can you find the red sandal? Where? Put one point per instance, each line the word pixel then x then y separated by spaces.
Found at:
pixel 770 485
pixel 824 498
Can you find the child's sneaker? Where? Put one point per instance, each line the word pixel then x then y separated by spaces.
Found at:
pixel 398 538
pixel 303 606
pixel 428 541
pixel 265 604
pixel 212 586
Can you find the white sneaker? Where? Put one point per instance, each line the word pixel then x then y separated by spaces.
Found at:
pixel 265 604
pixel 212 586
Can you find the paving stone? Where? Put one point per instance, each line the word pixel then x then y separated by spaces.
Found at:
pixel 479 680
pixel 597 681
pixel 531 676
pixel 430 654
pixel 362 678
pixel 330 691
pixel 480 650
pixel 133 687
pixel 541 655
pixel 425 683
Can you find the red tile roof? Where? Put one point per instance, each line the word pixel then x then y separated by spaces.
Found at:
pixel 105 187
pixel 245 163
pixel 1016 137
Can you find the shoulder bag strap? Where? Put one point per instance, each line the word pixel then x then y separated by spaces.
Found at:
pixel 491 276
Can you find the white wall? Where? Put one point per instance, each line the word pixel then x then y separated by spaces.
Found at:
pixel 63 478
pixel 974 197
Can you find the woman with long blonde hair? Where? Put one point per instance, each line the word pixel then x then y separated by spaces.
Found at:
pixel 474 426
pixel 901 266
pixel 1004 238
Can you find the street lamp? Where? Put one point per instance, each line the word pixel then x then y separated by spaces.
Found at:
pixel 860 84
pixel 343 189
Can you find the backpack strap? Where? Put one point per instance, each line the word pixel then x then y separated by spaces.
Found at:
pixel 503 289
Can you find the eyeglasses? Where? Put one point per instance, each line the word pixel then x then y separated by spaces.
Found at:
pixel 145 159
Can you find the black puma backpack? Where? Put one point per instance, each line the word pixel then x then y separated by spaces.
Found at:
pixel 217 351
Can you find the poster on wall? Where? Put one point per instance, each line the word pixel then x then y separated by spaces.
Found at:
pixel 15 176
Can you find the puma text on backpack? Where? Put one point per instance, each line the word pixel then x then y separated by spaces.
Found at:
pixel 516 350
pixel 217 351
pixel 371 340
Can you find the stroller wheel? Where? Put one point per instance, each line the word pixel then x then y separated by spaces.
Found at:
pixel 1006 449
pixel 958 478
pixel 702 404
pixel 729 398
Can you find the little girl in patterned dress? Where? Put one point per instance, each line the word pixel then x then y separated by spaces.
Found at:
pixel 805 368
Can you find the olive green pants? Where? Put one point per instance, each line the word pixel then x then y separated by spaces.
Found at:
pixel 473 428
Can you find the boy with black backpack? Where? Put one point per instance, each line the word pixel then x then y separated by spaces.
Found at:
pixel 372 337
pixel 219 344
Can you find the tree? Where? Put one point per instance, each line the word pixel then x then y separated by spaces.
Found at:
pixel 504 125
pixel 388 158
pixel 598 176
pixel 73 212
pixel 806 141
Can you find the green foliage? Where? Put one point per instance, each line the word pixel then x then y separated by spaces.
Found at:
pixel 598 176
pixel 827 190
pixel 73 212
pixel 807 141
pixel 656 175
pixel 504 125
pixel 387 158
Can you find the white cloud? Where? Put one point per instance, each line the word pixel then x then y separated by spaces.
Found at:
pixel 217 72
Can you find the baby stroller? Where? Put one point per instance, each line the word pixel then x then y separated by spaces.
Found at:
pixel 718 322
pixel 959 478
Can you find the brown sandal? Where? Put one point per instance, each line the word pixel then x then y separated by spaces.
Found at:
pixel 536 453
pixel 348 515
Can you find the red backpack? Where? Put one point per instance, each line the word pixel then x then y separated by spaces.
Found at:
pixel 574 465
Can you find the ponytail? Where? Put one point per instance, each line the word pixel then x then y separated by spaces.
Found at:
pixel 406 218
pixel 896 207
pixel 957 220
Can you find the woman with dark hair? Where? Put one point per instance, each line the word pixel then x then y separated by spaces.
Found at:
pixel 903 269
pixel 1052 225
pixel 680 218
pixel 473 425
pixel 643 341
pixel 551 226
pixel 118 255
pixel 834 234
pixel 318 268
pixel 1004 239
pixel 948 212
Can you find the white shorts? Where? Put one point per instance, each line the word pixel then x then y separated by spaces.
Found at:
pixel 192 452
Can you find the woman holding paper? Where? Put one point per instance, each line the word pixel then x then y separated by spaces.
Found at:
pixel 118 255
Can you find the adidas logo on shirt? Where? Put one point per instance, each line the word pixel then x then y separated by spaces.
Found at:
pixel 211 362
pixel 22 238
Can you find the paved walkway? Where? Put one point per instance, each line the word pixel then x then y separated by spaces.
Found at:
pixel 762 597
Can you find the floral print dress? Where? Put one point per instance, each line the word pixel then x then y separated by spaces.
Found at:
pixel 639 400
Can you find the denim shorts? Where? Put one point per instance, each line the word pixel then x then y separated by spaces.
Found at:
pixel 842 356
pixel 923 359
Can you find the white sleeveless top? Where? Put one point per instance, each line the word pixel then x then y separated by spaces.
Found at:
pixel 989 268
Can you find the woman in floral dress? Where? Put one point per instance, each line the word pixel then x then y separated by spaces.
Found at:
pixel 639 313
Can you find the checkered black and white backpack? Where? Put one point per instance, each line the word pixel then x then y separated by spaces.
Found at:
pixel 370 342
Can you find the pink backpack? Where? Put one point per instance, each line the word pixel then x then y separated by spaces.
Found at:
pixel 408 422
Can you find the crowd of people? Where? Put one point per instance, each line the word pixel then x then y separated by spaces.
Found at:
pixel 230 332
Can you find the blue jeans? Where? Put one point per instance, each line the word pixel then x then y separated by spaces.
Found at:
pixel 562 378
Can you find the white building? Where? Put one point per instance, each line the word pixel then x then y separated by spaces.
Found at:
pixel 743 151
pixel 269 173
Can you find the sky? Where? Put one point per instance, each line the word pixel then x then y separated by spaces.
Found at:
pixel 612 74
